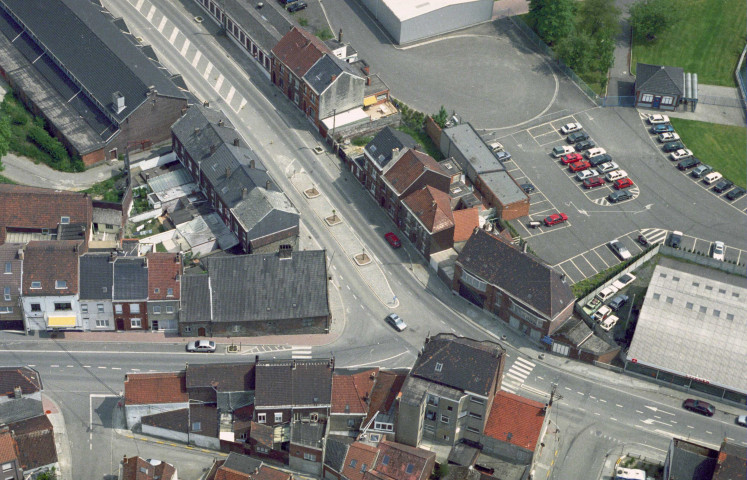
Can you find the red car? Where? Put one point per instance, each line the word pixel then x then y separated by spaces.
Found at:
pixel 578 166
pixel 393 240
pixel 571 158
pixel 593 182
pixel 555 218
pixel 623 183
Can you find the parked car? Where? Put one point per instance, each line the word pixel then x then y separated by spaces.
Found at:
pixel 496 147
pixel 395 321
pixel 286 2
pixel 736 193
pixel 577 137
pixel 585 145
pixel 618 302
pixel 503 156
pixel 607 293
pixel 723 186
pixel 602 313
pixel 297 6
pixel 600 159
pixel 555 218
pixel 712 178
pixel 657 119
pixel 594 182
pixel 688 163
pixel 571 158
pixel 622 183
pixel 701 170
pixel 609 322
pixel 675 238
pixel 620 249
pixel 623 281
pixel 578 166
pixel 201 346
pixel 586 174
pixel 570 128
pixel 593 152
pixel 668 137
pixel 662 128
pixel 681 154
pixel 393 240
pixel 608 167
pixel 718 251
pixel 561 150
pixel 527 187
pixel 619 196
pixel 642 240
pixel 699 406
pixel 616 175
pixel 742 420
pixel 672 146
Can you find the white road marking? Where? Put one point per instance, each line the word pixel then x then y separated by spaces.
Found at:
pixel 162 24
pixel 242 104
pixel 603 400
pixel 116 368
pixel 151 12
pixel 219 82
pixel 617 404
pixel 580 393
pixel 54 366
pixel 139 4
pixel 103 368
pixel 208 69
pixel 186 45
pixel 173 35
pixel 230 95
pixel 197 58
pixel 518 378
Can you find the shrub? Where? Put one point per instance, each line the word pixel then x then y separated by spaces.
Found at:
pixel 361 141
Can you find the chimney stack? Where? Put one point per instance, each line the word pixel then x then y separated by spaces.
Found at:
pixel 197 130
pixel 220 122
pixel 17 392
pixel 112 257
pixel 235 142
pixel 267 185
pixel 244 193
pixel 205 103
pixel 395 151
pixel 339 36
pixel 285 252
pixel 251 163
pixel 20 254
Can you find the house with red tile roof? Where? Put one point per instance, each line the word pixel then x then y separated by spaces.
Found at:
pixel 35 440
pixel 382 406
pixel 429 221
pixel 402 462
pixel 465 222
pixel 150 393
pixel 515 428
pixel 360 459
pixel 351 394
pixel 164 279
pixel 9 456
pixel 50 285
pixel 138 468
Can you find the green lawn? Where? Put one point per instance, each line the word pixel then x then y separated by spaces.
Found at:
pixel 4 179
pixel 424 140
pixel 707 40
pixel 721 146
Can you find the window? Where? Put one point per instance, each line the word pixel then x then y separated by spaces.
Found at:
pixel 473 430
pixel 102 323
pixel 6 309
pixel 136 323
pixel 709 287
pixel 476 400
pixel 432 400
pixel 717 313
pixel 307 322
pixel 60 284
pixel 36 307
pixel 666 100
pixel 35 285
pixel 430 415
pixel 118 308
pixel 410 468
pixel 363 468
pixel 647 97
pixel 444 419
pixel 169 309
pixel 675 279
pixel 735 294
pixel 309 456
pixel 187 329
pixel 475 415
pixel 351 422
pixel 7 466
pixel 385 460
pixel 196 426
pixel 278 417
pixel 657 296
pixel 439 366
pixel 314 417
pixel 8 267
pixel 689 305
pixel 663 275
pixel 236 328
pixel 703 309
pixel 84 307
pixel 169 292
pixel 353 463
pixel 100 307
pixel 156 290
pixel 473 282
pixel 730 316
pixel 262 450
pixel 261 418
pixel 696 284
pixel 157 310
pixel 63 306
pixel 65 220
pixel 670 300
pixel 6 294
pixel 134 308
pixel 722 291
pixel 449 408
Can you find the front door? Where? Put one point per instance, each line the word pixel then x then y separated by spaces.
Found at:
pixel 154 325
pixel 201 332
pixel 120 324
pixel 656 102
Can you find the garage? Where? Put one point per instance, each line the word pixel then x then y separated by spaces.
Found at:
pixel 412 20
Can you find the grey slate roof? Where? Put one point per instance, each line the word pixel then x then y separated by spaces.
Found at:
pixel 465 364
pixel 230 401
pixel 659 79
pixel 242 463
pixel 503 187
pixel 195 299
pixel 465 139
pixel 294 383
pixel 107 216
pixel 380 148
pixel 325 71
pixel 9 253
pixel 95 52
pixel 691 461
pixel 266 26
pixel 175 420
pixel 130 278
pixel 25 377
pixel 521 275
pixel 337 450
pixel 20 409
pixel 96 276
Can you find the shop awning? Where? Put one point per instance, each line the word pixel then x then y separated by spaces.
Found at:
pixel 367 101
pixel 56 322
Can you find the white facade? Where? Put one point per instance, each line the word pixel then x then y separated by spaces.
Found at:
pixel 37 311
pixel 97 315
pixel 164 433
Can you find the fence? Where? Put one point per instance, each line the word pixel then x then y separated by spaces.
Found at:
pixel 741 74
pixel 735 102
pixel 705 260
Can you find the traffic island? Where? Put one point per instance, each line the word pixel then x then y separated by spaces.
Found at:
pixel 362 259
pixel 333 219
pixel 233 349
pixel 311 192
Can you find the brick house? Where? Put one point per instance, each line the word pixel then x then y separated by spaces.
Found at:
pixel 242 467
pixel 402 462
pixel 34 437
pixel 137 468
pixel 360 459
pixel 517 287
pixel 9 456
pixel 428 220
pixel 351 394
pixel 386 147
pixel 450 391
pixel 659 86
pixel 11 262
pixel 164 281
pixel 149 393
pixel 130 293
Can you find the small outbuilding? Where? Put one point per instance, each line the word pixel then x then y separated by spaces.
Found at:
pixel 659 86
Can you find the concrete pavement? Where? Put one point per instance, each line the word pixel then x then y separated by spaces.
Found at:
pixel 24 171
pixel 64 456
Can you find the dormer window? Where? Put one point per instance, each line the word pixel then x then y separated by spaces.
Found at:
pixel 439 366
pixel 60 284
pixel 169 292
pixel 35 285
pixel 156 290
pixel 410 468
pixel 64 220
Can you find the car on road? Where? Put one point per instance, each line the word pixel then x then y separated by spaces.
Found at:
pixel 600 159
pixel 688 163
pixel 620 249
pixel 622 183
pixel 561 150
pixel 570 128
pixel 586 174
pixel 555 218
pixel 502 156
pixel 571 158
pixel 742 420
pixel 699 406
pixel 672 146
pixel 204 346
pixel 594 152
pixel 616 175
pixel 527 187
pixel 736 193
pixel 578 166
pixel 681 154
pixel 701 170
pixel 662 128
pixel 619 196
pixel 594 182
pixel 675 239
pixel 393 240
pixel 395 321
pixel 718 251
pixel 608 167
pixel 577 137
pixel 609 322
pixel 723 186
pixel 668 137
pixel 623 281
pixel 618 302
pixel 657 119
pixel 297 6
pixel 585 145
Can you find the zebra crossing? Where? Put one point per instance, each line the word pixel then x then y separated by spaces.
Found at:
pixel 514 378
pixel 654 235
pixel 301 353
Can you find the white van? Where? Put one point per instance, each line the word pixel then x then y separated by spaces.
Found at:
pixel 616 175
pixel 712 177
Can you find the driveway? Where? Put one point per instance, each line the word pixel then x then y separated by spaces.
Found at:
pixel 26 172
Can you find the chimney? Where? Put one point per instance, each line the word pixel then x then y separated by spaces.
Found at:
pixel 332 363
pixel 112 257
pixel 256 359
pixel 220 122
pixel 285 252
pixel 228 172
pixel 244 193
pixel 205 103
pixel 562 277
pixel 251 164
pixel 395 151
pixel 212 149
pixel 339 36
pixel 17 392
pixel 235 142
pixel 433 205
pixel 293 365
pixel 118 102
pixel 75 248
pixel 20 254
pixel 197 130
pixel 368 80
pixel 267 185
pixel 333 78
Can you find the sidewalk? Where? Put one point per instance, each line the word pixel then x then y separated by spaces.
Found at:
pixel 64 456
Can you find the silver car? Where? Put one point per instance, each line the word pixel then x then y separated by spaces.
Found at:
pixel 394 320
pixel 206 346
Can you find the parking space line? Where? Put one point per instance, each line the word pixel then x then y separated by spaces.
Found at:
pixel 567 275
pixel 600 258
pixel 592 266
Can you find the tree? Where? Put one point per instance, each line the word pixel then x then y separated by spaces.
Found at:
pixel 5 134
pixel 599 17
pixel 650 17
pixel 441 117
pixel 552 19
pixel 576 51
